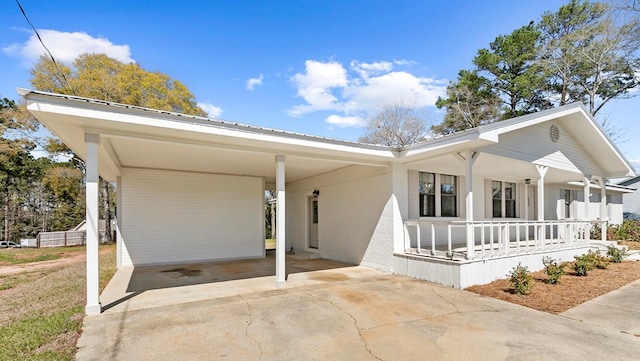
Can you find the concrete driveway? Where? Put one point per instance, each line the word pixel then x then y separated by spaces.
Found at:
pixel 350 313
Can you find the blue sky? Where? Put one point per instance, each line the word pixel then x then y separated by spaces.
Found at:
pixel 316 67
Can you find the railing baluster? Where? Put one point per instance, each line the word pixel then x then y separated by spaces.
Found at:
pixel 449 250
pixel 482 243
pixel 433 239
pixel 418 237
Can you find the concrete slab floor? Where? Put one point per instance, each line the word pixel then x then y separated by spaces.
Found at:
pixel 360 315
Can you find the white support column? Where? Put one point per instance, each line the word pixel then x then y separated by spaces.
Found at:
pixel 526 199
pixel 587 193
pixel 542 171
pixel 470 157
pixel 280 222
pixel 93 306
pixel 119 222
pixel 602 182
pixel 603 198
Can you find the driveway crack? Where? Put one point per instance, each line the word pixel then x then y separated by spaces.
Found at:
pixel 249 323
pixel 353 319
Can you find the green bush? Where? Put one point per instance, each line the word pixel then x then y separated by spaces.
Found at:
pixel 581 267
pixel 553 269
pixel 616 254
pixel 521 280
pixel 627 231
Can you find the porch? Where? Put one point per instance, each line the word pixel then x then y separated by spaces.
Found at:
pixel 463 253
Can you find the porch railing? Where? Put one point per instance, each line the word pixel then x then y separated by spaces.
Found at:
pixel 489 239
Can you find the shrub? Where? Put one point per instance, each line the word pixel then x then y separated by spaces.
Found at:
pixel 521 280
pixel 580 267
pixel 629 230
pixel 553 270
pixel 616 254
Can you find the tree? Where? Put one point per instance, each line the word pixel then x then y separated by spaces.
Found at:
pixel 101 77
pixel 16 163
pixel 470 102
pixel 590 53
pixel 509 64
pixel 395 125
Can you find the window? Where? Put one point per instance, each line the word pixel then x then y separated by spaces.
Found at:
pixel 503 195
pixel 448 193
pixel 438 195
pixel 427 194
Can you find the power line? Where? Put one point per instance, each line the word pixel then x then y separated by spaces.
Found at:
pixel 45 47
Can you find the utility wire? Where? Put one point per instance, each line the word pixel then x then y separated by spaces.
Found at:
pixel 45 48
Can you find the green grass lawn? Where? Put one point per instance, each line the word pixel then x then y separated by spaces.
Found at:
pixel 28 255
pixel 41 316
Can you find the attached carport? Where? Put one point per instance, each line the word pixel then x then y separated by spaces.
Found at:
pixel 186 183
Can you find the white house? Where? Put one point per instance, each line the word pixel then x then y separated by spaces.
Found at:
pixel 631 201
pixel 459 210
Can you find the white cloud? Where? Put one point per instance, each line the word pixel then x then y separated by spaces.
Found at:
pixel 367 69
pixel 212 110
pixel 252 83
pixel 361 90
pixel 66 47
pixel 316 84
pixel 346 121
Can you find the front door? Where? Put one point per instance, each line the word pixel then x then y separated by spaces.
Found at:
pixel 313 222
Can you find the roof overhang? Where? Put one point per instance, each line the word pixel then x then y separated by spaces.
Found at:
pixel 147 138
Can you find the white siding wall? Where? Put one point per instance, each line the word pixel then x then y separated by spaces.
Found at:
pixel 355 215
pixel 174 217
pixel 533 144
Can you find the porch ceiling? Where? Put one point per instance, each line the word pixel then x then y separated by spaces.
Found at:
pixel 497 167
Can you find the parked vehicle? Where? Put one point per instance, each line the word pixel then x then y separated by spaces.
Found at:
pixel 631 216
pixel 4 244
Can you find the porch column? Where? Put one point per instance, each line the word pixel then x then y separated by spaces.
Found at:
pixel 280 222
pixel 118 222
pixel 602 182
pixel 587 192
pixel 92 141
pixel 470 158
pixel 542 170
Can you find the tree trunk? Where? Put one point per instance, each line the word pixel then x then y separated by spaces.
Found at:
pixel 6 218
pixel 106 212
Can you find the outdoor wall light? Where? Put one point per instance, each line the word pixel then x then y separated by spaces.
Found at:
pixel 527 181
pixel 316 192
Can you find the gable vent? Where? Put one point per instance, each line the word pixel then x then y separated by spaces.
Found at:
pixel 555 133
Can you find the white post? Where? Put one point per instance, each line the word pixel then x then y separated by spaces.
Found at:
pixel 280 222
pixel 470 157
pixel 119 223
pixel 587 192
pixel 603 207
pixel 526 201
pixel 93 306
pixel 542 171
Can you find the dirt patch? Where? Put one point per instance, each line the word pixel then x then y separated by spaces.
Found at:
pixel 571 291
pixel 67 259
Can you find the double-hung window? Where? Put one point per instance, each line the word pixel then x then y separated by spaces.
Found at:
pixel 503 195
pixel 438 195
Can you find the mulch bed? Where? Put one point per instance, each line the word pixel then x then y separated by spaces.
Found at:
pixel 571 291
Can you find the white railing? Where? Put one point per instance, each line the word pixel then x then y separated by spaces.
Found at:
pixel 490 239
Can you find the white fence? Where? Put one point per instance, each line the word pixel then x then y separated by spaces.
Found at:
pixel 490 239
pixel 61 239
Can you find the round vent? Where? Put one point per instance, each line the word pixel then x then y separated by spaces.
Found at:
pixel 555 133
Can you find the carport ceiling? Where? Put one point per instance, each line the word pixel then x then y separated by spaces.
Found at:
pixel 158 154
